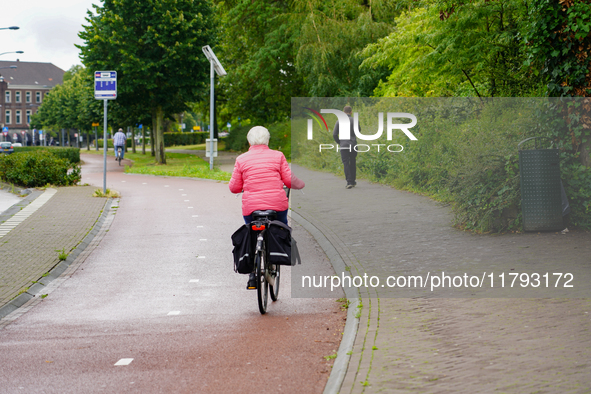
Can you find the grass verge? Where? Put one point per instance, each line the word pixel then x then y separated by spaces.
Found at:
pixel 177 164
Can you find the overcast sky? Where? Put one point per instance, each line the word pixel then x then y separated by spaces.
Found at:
pixel 48 30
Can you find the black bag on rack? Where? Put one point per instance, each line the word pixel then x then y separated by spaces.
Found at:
pixel 281 247
pixel 243 250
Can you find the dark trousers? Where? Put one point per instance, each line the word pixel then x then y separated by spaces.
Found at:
pixel 350 165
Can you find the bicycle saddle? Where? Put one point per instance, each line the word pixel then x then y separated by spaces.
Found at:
pixel 269 213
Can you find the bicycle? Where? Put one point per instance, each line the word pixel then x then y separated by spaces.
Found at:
pixel 267 275
pixel 118 153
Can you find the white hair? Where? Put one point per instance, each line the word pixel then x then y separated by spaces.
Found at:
pixel 258 135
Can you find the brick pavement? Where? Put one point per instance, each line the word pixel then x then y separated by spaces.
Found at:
pixel 32 248
pixel 451 342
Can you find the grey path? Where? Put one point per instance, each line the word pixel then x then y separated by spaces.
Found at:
pixel 462 344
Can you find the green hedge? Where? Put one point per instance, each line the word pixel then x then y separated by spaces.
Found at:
pixel 197 138
pixel 70 154
pixel 38 168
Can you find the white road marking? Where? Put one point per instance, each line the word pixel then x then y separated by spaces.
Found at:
pixel 194 281
pixel 174 313
pixel 181 190
pixel 200 257
pixel 186 200
pixel 26 212
pixel 199 226
pixel 202 239
pixel 190 207
pixel 124 361
pixel 182 195
pixel 165 185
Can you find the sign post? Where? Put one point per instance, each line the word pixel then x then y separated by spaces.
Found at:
pixel 105 88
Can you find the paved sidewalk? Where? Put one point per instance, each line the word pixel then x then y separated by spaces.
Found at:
pixel 413 343
pixel 32 248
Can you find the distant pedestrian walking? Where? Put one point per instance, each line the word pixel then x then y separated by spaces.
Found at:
pixel 347 149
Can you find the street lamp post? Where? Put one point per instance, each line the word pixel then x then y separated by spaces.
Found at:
pixel 219 69
pixel 4 53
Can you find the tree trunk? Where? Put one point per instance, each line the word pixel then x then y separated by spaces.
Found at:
pixel 143 140
pixel 152 134
pixel 133 140
pixel 160 152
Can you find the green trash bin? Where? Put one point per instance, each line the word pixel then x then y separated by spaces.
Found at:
pixel 541 200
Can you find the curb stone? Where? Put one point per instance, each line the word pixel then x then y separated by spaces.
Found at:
pixel 56 271
pixel 339 369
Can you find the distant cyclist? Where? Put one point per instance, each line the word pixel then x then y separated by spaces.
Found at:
pixel 261 173
pixel 119 140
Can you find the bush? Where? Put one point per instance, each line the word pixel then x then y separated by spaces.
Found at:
pixel 171 139
pixel 466 154
pixel 70 154
pixel 38 168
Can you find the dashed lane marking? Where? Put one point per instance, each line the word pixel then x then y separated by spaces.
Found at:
pixel 174 313
pixel 194 281
pixel 124 361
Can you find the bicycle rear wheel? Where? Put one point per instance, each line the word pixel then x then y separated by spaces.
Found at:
pixel 262 284
pixel 119 158
pixel 275 289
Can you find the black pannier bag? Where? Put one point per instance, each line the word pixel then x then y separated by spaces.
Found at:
pixel 243 250
pixel 281 247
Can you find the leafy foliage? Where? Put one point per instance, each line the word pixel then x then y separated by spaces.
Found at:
pixel 468 49
pixel 70 154
pixel 38 168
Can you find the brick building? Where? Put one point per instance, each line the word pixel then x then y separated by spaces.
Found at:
pixel 21 93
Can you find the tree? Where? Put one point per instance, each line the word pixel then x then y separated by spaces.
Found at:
pixel 155 47
pixel 473 48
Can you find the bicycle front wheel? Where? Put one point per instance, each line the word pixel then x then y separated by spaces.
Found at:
pixel 262 284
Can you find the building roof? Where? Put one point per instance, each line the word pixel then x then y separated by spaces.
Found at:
pixel 31 74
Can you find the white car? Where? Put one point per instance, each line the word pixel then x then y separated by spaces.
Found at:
pixel 17 145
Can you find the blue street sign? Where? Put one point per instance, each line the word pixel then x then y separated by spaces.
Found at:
pixel 40 131
pixel 105 85
pixel 141 126
pixel 5 129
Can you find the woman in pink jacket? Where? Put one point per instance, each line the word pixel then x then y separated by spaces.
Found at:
pixel 261 173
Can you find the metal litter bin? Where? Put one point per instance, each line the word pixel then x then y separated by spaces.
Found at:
pixel 541 200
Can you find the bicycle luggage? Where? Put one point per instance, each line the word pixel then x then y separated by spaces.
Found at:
pixel 282 248
pixel 243 250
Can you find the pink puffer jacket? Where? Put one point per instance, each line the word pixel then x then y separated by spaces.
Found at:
pixel 261 173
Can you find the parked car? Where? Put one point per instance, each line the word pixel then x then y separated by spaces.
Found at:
pixel 17 145
pixel 6 148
